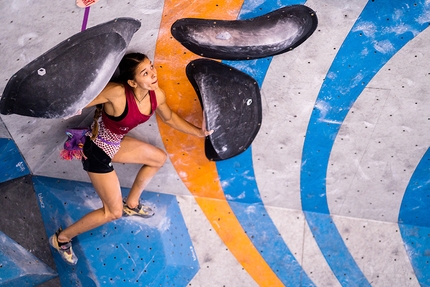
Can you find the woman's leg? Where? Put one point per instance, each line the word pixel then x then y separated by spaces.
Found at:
pixel 108 188
pixel 139 152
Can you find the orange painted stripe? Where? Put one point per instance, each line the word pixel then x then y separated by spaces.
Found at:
pixel 187 152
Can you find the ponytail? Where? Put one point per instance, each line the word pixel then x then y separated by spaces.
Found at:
pixel 97 114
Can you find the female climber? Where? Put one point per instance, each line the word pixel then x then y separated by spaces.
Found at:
pixel 121 106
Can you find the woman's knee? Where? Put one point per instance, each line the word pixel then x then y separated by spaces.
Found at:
pixel 113 214
pixel 157 159
pixel 162 158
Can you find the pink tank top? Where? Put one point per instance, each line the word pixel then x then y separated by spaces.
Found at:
pixel 133 118
pixel 111 131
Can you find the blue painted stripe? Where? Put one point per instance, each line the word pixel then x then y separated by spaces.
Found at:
pixel 130 251
pixel 415 208
pixel 416 241
pixel 12 164
pixel 382 29
pixel 414 220
pixel 331 244
pixel 241 191
pixel 240 187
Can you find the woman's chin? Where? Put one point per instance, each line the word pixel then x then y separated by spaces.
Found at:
pixel 154 86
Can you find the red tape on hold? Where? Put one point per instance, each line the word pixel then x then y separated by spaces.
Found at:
pixel 85 3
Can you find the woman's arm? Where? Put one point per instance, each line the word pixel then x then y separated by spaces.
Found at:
pixel 112 90
pixel 175 121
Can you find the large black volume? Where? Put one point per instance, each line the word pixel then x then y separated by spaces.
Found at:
pixel 66 78
pixel 231 102
pixel 274 33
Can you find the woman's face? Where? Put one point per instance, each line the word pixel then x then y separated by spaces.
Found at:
pixel 145 76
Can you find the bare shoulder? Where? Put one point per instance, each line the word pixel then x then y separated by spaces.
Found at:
pixel 110 93
pixel 113 90
pixel 161 96
pixel 163 109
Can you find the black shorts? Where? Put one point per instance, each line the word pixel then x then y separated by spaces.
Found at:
pixel 96 160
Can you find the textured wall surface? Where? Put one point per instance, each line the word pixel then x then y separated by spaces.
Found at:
pixel 334 190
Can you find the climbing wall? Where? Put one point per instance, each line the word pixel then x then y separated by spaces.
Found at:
pixel 333 191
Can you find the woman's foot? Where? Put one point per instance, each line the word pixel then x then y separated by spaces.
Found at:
pixel 140 210
pixel 64 248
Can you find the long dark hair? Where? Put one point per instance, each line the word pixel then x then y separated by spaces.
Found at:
pixel 128 65
pixel 126 71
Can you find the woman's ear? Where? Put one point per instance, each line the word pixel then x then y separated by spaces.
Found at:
pixel 132 83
